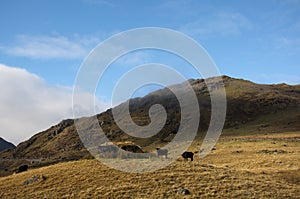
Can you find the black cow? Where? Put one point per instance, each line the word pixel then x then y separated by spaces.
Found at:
pixel 187 155
pixel 162 152
pixel 132 148
pixel 22 168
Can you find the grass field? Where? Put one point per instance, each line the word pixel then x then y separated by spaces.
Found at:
pixel 263 166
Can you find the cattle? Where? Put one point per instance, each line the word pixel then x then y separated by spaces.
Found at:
pixel 132 148
pixel 162 152
pixel 22 168
pixel 186 155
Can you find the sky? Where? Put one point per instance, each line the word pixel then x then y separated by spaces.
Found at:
pixel 43 44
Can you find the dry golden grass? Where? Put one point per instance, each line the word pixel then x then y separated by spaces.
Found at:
pixel 236 169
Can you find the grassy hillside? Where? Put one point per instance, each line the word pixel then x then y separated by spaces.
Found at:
pixel 261 108
pixel 251 109
pixel 265 166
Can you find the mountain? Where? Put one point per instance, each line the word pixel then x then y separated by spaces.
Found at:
pixel 5 145
pixel 251 109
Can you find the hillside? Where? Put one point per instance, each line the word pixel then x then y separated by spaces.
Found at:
pixel 5 144
pixel 251 109
pixel 240 167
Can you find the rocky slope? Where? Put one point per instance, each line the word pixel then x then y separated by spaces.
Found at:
pixel 251 109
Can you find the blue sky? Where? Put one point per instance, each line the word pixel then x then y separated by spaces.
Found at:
pixel 43 43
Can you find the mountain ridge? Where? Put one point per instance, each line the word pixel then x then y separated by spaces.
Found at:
pixel 251 109
pixel 5 144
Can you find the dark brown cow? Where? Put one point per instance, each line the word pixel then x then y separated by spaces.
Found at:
pixel 186 155
pixel 22 168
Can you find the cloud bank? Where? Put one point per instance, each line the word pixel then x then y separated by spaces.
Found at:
pixel 28 105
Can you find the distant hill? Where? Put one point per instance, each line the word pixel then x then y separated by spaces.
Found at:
pixel 5 144
pixel 251 109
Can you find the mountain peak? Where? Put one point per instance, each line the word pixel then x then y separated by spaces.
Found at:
pixel 5 144
pixel 251 109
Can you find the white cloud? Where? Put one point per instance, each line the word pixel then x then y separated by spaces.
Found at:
pixel 28 105
pixel 51 47
pixel 100 2
pixel 276 79
pixel 288 44
pixel 217 24
pixel 134 58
